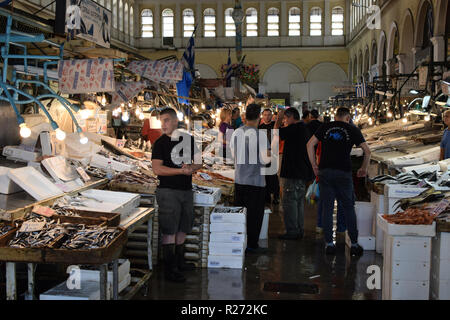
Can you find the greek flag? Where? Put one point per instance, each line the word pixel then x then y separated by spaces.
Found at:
pixel 188 59
pixel 229 71
pixel 361 89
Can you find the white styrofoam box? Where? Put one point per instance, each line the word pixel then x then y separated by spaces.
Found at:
pixel 94 275
pixel 441 246
pixel 410 290
pixel 89 290
pixel 439 289
pixel 366 242
pixel 421 168
pixel 229 217
pixel 228 227
pixel 408 249
pixel 101 162
pixel 207 199
pixel 410 270
pixel 7 186
pixel 111 201
pixel 406 230
pixel 264 233
pixel 378 201
pixel 401 191
pixel 440 268
pixel 226 249
pixel 15 153
pixel 231 237
pixel 59 168
pixel 232 262
pixel 364 217
pixel 34 183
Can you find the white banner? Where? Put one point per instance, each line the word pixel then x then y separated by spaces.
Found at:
pixel 94 21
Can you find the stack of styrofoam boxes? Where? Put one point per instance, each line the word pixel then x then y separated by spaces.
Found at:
pixel 89 285
pixel 393 193
pixel 228 240
pixel 378 201
pixel 440 267
pixel 364 218
pixel 196 246
pixel 407 260
pixel 226 284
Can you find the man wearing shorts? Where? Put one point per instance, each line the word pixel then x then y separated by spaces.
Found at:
pixel 173 162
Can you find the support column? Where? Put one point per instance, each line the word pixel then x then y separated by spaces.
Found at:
pixel 220 28
pixel 327 19
pixel 177 21
pixel 199 20
pixel 284 19
pixel 157 23
pixel 439 48
pixel 402 62
pixel 305 19
pixel 262 23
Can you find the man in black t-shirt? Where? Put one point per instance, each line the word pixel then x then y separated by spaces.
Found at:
pixel 314 124
pixel 295 171
pixel 174 158
pixel 335 174
pixel 272 183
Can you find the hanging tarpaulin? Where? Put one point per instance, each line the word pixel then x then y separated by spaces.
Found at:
pixel 86 76
pixel 170 71
pixel 125 91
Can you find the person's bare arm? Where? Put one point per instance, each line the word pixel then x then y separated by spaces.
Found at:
pixel 160 170
pixel 312 154
pixel 279 121
pixel 362 172
pixel 442 154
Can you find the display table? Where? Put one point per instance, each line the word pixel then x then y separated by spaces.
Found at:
pixel 95 257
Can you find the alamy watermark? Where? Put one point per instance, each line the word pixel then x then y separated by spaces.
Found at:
pixel 374 280
pixel 373 22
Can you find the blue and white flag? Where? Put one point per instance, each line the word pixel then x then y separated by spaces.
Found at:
pixel 188 58
pixel 361 89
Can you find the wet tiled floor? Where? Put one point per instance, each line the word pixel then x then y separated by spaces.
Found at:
pixel 299 261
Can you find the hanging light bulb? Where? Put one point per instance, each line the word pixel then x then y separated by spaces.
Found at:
pixel 370 121
pixel 180 116
pixel 83 138
pixel 60 135
pixel 405 120
pixel 141 116
pixel 186 121
pixel 25 132
pixel 103 100
pixel 195 109
pixel 427 118
pixel 203 106
pixel 389 114
pixel 138 112
pixel 85 114
pixel 125 116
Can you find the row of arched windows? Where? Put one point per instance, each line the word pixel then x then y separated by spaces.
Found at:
pixel 251 22
pixel 121 13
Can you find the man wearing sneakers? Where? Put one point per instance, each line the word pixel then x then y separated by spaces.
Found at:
pixel 335 174
pixel 173 155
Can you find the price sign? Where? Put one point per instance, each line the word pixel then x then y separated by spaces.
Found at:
pixel 31 226
pixel 83 174
pixel 441 207
pixel 44 211
pixel 205 176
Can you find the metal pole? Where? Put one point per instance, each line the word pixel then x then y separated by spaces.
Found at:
pixel 116 279
pixel 103 281
pixel 149 243
pixel 11 288
pixel 30 293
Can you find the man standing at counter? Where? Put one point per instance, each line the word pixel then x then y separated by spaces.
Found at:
pixel 335 174
pixel 445 143
pixel 174 169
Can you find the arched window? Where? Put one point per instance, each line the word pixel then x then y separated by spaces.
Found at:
pixel 126 28
pixel 131 21
pixel 252 22
pixel 209 22
pixel 188 22
pixel 316 22
pixel 337 22
pixel 147 23
pixel 273 20
pixel 230 27
pixel 120 15
pixel 294 21
pixel 167 23
pixel 114 13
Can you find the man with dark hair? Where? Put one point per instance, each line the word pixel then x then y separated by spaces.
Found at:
pixel 295 171
pixel 272 183
pixel 174 193
pixel 306 117
pixel 335 174
pixel 314 124
pixel 250 158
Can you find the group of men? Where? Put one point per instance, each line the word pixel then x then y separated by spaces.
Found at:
pixel 255 153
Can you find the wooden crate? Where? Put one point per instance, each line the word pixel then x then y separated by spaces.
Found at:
pixel 133 188
pixel 92 218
